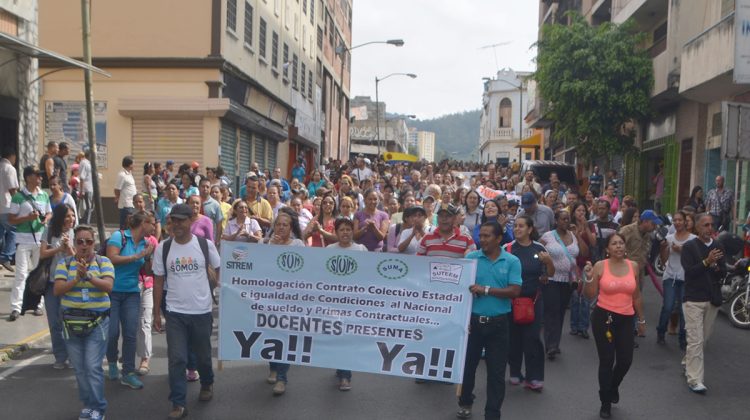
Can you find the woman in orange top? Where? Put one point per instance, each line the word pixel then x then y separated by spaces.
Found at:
pixel 615 279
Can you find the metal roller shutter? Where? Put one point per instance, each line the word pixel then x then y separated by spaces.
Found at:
pixel 228 142
pixel 259 154
pixel 162 140
pixel 245 152
pixel 272 148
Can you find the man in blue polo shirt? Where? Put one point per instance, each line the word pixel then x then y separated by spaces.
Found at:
pixel 498 281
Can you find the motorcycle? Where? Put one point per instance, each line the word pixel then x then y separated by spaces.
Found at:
pixel 735 286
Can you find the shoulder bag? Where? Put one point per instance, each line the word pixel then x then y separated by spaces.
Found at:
pixel 575 272
pixel 522 307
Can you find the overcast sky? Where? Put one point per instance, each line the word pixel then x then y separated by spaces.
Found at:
pixel 442 46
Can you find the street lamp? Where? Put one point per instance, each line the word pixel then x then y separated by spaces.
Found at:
pixel 377 103
pixel 341 50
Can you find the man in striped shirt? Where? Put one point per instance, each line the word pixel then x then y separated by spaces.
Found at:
pixel 446 240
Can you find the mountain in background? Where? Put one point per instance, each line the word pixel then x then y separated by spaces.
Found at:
pixel 456 135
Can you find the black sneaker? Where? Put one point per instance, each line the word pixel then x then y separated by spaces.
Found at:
pixel 606 411
pixel 660 339
pixel 13 316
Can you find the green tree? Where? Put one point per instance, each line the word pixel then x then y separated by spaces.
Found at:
pixel 597 81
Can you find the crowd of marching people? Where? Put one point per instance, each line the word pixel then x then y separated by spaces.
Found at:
pixel 542 247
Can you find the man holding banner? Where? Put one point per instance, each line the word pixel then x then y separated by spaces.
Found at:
pixel 498 280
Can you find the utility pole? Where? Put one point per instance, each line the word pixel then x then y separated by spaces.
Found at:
pixel 86 23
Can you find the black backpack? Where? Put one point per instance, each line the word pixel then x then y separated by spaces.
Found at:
pixel 103 246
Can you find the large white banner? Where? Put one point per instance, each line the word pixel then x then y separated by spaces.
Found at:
pixel 370 312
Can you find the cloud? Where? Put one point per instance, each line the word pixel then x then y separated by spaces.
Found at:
pixel 442 46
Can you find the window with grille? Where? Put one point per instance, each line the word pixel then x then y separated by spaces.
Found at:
pixel 262 38
pixel 330 29
pixel 232 15
pixel 304 6
pixel 286 60
pixel 716 124
pixel 275 50
pixel 295 63
pixel 310 84
pixel 312 12
pixel 320 38
pixel 303 80
pixel 248 24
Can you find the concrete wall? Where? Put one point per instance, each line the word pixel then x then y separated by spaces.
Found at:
pixel 709 56
pixel 132 28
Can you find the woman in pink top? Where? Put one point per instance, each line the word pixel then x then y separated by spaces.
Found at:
pixel 615 279
pixel 201 225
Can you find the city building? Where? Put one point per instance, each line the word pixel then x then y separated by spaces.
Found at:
pixel 19 73
pixel 426 145
pixel 696 67
pixel 229 83
pixel 367 120
pixel 502 124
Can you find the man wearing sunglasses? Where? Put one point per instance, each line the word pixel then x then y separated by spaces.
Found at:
pixel 188 306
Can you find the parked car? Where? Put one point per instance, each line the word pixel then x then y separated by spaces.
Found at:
pixel 542 168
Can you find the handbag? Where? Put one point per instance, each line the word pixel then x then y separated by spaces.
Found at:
pixel 38 279
pixel 523 309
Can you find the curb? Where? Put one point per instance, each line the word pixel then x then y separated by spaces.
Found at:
pixel 12 351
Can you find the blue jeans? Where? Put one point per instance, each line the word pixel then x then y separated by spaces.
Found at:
pixel 344 374
pixel 86 354
pixel 125 310
pixel 185 331
pixel 493 338
pixel 674 291
pixel 281 369
pixel 580 312
pixel 54 320
pixel 7 239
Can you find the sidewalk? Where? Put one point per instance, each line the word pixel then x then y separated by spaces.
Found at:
pixel 20 335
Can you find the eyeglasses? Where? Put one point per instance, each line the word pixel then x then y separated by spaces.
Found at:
pixel 84 241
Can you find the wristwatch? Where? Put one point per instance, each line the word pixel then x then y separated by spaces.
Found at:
pixel 486 290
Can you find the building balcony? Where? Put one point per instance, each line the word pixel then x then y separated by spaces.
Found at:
pixel 503 133
pixel 646 13
pixel 707 64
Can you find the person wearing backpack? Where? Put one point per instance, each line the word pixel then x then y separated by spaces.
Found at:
pixel 82 282
pixel 189 266
pixel 29 211
pixel 127 249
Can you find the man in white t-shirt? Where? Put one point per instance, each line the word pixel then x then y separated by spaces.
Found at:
pixel 408 241
pixel 361 172
pixel 8 187
pixel 87 187
pixel 188 306
pixel 125 190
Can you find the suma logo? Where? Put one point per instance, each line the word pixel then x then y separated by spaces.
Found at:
pixel 291 262
pixel 393 269
pixel 341 265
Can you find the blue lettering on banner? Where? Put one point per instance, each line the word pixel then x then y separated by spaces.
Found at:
pixel 344 310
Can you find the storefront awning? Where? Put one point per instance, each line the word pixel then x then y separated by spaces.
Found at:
pixel 530 142
pixel 20 46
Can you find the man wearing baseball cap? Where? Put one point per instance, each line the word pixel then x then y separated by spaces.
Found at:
pixel 446 240
pixel 184 261
pixel 638 237
pixel 543 216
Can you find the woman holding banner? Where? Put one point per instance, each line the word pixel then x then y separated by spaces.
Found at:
pixel 345 234
pixel 286 232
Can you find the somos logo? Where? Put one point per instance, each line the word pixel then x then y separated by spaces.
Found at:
pixel 341 265
pixel 291 262
pixel 393 269
pixel 184 265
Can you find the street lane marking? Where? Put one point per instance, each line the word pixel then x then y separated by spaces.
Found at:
pixel 26 340
pixel 22 364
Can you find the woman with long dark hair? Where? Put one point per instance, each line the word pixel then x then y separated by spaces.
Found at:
pixel 473 210
pixel 320 230
pixel 492 212
pixel 370 224
pixel 579 305
pixel 615 282
pixel 57 244
pixel 696 199
pixel 525 340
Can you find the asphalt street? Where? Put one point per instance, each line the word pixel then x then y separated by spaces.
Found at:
pixel 654 388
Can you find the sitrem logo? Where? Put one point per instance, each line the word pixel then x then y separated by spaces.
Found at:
pixel 341 265
pixel 291 262
pixel 393 269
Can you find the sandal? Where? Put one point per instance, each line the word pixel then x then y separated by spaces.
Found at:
pixel 464 413
pixel 143 369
